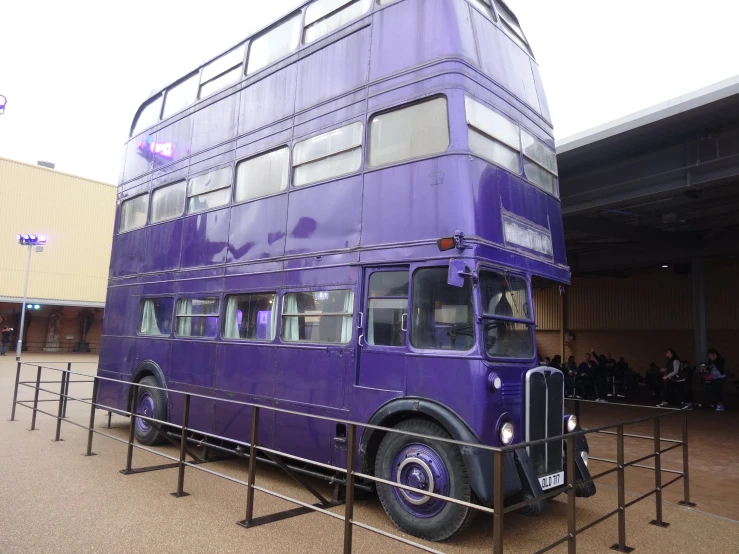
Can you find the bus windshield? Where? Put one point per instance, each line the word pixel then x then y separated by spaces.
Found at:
pixel 508 322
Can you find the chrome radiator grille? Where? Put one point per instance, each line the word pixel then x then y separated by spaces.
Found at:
pixel 545 417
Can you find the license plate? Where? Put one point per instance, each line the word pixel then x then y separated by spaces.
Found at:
pixel 551 481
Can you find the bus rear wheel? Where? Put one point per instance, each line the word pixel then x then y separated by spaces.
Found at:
pixel 150 403
pixel 426 465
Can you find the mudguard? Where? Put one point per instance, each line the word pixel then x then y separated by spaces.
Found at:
pixel 479 463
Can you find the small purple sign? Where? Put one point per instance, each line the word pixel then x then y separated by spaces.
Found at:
pixel 264 320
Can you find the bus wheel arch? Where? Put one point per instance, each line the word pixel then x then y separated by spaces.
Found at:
pixel 477 462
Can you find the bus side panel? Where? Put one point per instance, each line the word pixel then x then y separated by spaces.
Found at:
pixel 422 200
pixel 164 241
pixel 205 238
pixel 336 225
pixel 258 229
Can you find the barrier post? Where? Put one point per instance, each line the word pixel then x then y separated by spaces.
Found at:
pixel 57 437
pixel 252 467
pixel 621 545
pixel 571 514
pixel 15 393
pixel 686 466
pixel 577 408
pixel 498 505
pixel 349 508
pixel 90 432
pixel 658 475
pixel 183 443
pixel 131 430
pixel 66 389
pixel 35 399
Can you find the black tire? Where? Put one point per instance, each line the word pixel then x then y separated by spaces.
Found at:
pixel 452 518
pixel 144 432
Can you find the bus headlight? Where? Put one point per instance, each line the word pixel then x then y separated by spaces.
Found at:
pixel 570 423
pixel 506 433
pixel 585 457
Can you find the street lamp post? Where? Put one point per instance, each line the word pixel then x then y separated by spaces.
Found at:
pixel 30 241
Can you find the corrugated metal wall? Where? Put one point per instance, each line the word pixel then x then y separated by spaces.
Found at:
pixel 77 217
pixel 659 300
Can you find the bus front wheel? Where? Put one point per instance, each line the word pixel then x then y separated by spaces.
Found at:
pixel 150 403
pixel 425 465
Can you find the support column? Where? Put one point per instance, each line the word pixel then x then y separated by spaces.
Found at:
pixel 700 326
pixel 563 324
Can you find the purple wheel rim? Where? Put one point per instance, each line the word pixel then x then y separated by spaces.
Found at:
pixel 145 407
pixel 420 466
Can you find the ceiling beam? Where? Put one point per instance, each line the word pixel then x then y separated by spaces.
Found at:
pixel 631 233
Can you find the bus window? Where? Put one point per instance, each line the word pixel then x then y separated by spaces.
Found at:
pixel 336 153
pixel 133 213
pixel 510 25
pixel 262 175
pixel 484 7
pixel 324 16
pixel 387 307
pixel 168 202
pixel 506 296
pixel 209 191
pixel 156 316
pixel 417 130
pixel 539 163
pixel 274 44
pixel 250 317
pixel 385 2
pixel 197 317
pixel 149 116
pixel 441 316
pixel 492 136
pixel 318 316
pixel 181 96
pixel 222 72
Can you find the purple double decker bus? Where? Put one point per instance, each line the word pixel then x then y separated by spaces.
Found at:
pixel 344 215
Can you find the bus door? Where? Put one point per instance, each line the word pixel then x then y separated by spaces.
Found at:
pixel 312 364
pixel 384 329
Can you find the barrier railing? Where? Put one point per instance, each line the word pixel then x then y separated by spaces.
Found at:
pixel 498 510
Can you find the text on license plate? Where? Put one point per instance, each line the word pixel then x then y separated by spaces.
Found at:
pixel 551 481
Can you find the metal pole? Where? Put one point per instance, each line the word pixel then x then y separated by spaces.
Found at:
pixel 183 444
pixel 658 475
pixel 621 545
pixel 498 502
pixel 571 514
pixel 131 430
pixel 35 399
pixel 15 393
pixel 57 437
pixel 66 389
pixel 19 342
pixel 252 466
pixel 686 465
pixel 577 410
pixel 349 509
pixel 93 406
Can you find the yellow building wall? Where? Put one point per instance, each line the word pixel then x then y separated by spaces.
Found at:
pixel 75 214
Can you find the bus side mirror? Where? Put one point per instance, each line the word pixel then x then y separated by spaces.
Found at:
pixel 457 272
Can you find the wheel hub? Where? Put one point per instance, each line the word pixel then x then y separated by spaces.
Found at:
pixel 145 407
pixel 419 466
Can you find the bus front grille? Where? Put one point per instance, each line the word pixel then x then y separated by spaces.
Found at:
pixel 545 418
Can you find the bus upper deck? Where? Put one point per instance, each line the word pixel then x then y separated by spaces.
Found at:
pixel 284 161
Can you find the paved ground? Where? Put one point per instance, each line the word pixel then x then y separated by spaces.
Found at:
pixel 54 500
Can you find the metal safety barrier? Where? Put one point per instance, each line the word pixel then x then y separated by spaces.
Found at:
pixel 277 458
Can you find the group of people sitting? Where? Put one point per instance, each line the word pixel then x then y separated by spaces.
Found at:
pixel 598 377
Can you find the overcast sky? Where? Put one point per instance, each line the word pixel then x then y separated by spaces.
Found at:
pixel 74 71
